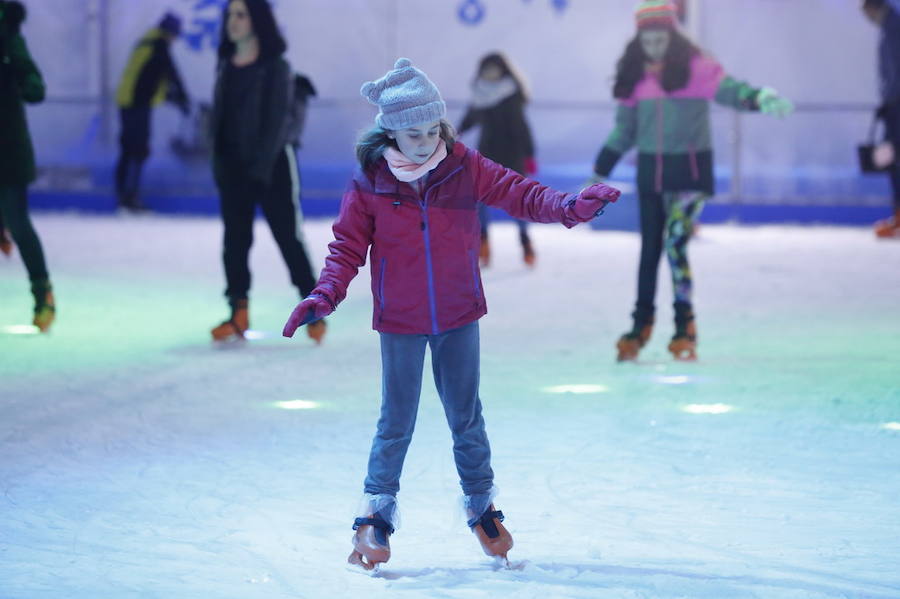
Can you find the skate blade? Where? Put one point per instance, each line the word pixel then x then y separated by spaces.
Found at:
pixel 626 357
pixel 359 562
pixel 231 341
pixel 688 354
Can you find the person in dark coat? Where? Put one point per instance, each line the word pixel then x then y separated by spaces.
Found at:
pixel 150 78
pixel 20 82
pixel 885 14
pixel 253 132
pixel 498 107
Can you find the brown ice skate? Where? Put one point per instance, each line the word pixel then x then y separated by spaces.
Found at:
pixel 484 252
pixel 45 312
pixel 494 538
pixel 528 254
pixel 235 327
pixel 316 331
pixel 889 228
pixel 6 244
pixel 371 544
pixel 631 343
pixel 684 344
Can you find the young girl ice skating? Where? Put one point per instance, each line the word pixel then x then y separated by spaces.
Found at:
pixel 498 109
pixel 664 83
pixel 413 207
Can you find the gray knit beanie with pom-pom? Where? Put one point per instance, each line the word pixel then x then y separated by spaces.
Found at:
pixel 405 97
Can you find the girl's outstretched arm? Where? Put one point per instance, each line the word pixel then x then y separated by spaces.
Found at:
pixel 527 199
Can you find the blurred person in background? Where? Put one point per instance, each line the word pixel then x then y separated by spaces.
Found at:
pixel 498 103
pixel 886 15
pixel 20 82
pixel 149 79
pixel 664 84
pixel 254 159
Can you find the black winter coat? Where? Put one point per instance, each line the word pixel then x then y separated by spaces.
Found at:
pixel 505 135
pixel 20 82
pixel 265 120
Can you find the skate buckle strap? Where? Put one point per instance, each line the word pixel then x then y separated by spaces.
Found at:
pixel 487 523
pixel 377 522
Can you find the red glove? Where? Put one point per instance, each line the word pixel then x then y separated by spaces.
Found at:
pixel 313 308
pixel 592 200
pixel 530 166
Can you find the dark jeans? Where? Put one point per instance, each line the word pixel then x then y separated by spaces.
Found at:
pixel 14 213
pixel 455 363
pixel 134 148
pixel 279 200
pixel 667 221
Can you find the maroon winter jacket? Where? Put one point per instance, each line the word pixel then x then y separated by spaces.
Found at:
pixel 424 248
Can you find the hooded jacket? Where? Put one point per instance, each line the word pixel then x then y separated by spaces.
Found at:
pixel 423 248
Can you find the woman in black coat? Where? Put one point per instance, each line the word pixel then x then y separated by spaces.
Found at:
pixel 20 82
pixel 498 107
pixel 254 160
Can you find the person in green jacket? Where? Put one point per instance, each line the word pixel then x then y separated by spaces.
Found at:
pixel 664 84
pixel 150 78
pixel 20 82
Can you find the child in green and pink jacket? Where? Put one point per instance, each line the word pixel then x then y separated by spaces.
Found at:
pixel 665 84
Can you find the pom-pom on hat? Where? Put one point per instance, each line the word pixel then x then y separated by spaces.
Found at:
pixel 405 97
pixel 656 13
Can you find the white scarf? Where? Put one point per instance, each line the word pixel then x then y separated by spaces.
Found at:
pixel 486 94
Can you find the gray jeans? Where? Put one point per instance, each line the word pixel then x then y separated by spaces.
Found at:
pixel 455 362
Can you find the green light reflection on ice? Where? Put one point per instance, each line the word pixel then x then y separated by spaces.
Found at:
pixel 296 404
pixel 578 389
pixel 711 408
pixel 21 329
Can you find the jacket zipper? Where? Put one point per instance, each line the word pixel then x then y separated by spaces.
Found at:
pixel 474 261
pixel 381 289
pixel 432 303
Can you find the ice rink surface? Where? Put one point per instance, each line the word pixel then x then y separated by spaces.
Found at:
pixel 137 461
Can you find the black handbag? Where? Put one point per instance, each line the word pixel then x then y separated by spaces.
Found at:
pixel 866 152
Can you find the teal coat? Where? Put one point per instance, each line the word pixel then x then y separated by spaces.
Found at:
pixel 20 82
pixel 671 130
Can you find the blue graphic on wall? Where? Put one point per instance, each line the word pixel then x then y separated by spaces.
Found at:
pixel 203 24
pixel 472 12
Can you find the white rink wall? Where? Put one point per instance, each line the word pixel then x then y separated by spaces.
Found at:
pixel 820 53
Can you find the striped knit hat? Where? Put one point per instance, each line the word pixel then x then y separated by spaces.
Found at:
pixel 656 13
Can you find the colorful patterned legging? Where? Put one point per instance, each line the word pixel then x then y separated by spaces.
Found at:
pixel 667 222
